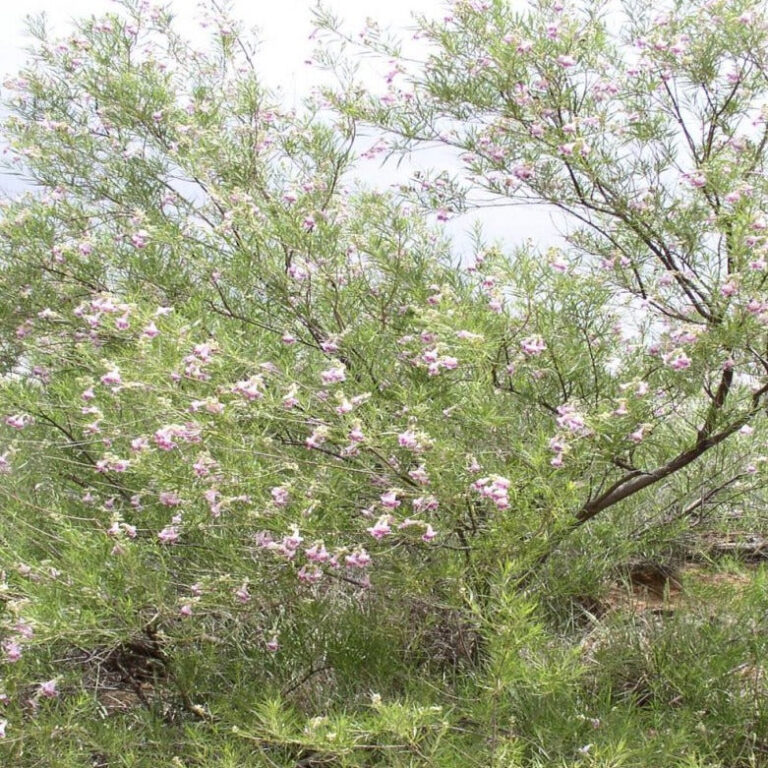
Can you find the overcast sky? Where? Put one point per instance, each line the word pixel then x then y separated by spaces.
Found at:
pixel 285 26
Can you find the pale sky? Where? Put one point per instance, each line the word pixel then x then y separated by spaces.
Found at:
pixel 285 27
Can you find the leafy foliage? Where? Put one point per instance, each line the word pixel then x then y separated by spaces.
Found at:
pixel 287 481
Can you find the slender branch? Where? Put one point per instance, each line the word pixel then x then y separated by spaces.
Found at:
pixel 636 481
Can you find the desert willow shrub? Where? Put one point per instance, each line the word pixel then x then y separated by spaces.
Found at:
pixel 261 415
pixel 245 407
pixel 646 127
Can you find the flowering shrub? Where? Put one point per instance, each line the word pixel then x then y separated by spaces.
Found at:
pixel 641 335
pixel 260 424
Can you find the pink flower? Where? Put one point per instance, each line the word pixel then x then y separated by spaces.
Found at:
pixel 637 436
pixel 428 534
pixel 24 628
pixel 18 421
pixel 389 500
pixel 419 475
pixel 408 439
pixel 317 438
pixel 139 239
pixel 185 611
pixel 533 346
pixel 381 529
pixel 290 400
pixel 344 407
pixel 169 534
pixel 570 419
pixel 280 496
pixel 425 504
pixel 358 559
pixel 556 445
pixel 559 265
pixel 522 172
pixel 333 375
pixel 48 689
pixel 317 553
pixel 202 467
pixel 12 651
pixel 430 356
pixel 242 594
pixel 250 389
pixel 273 645
pixel 680 362
pixel 566 61
pixel 495 488
pixel 696 180
pixel 293 540
pixel 211 495
pixel 150 331
pixel 112 378
pixel 309 574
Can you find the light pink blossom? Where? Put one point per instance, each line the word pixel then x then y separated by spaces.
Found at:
pixel 381 528
pixel 428 534
pixel 333 375
pixel 48 689
pixel 389 500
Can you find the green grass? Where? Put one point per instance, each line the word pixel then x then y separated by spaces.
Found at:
pixel 686 687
